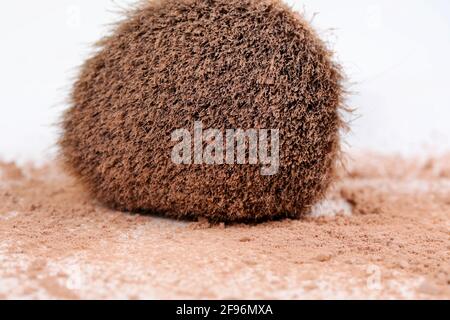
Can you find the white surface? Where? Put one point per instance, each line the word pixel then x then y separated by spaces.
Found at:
pixel 395 52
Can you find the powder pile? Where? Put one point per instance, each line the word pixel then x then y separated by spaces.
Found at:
pixel 56 243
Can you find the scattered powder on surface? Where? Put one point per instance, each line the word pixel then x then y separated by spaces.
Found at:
pixel 383 232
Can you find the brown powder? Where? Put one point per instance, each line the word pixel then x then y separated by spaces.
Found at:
pixel 396 244
pixel 232 64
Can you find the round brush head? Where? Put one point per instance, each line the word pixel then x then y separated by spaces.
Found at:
pixel 175 72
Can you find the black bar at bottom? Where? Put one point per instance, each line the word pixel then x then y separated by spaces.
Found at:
pixel 222 309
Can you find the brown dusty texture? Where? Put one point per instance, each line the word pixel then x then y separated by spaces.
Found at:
pixel 232 64
pixel 383 232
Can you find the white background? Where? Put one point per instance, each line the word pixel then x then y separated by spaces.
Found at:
pixel 396 54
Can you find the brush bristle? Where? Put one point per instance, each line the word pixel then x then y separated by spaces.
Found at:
pixel 228 63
